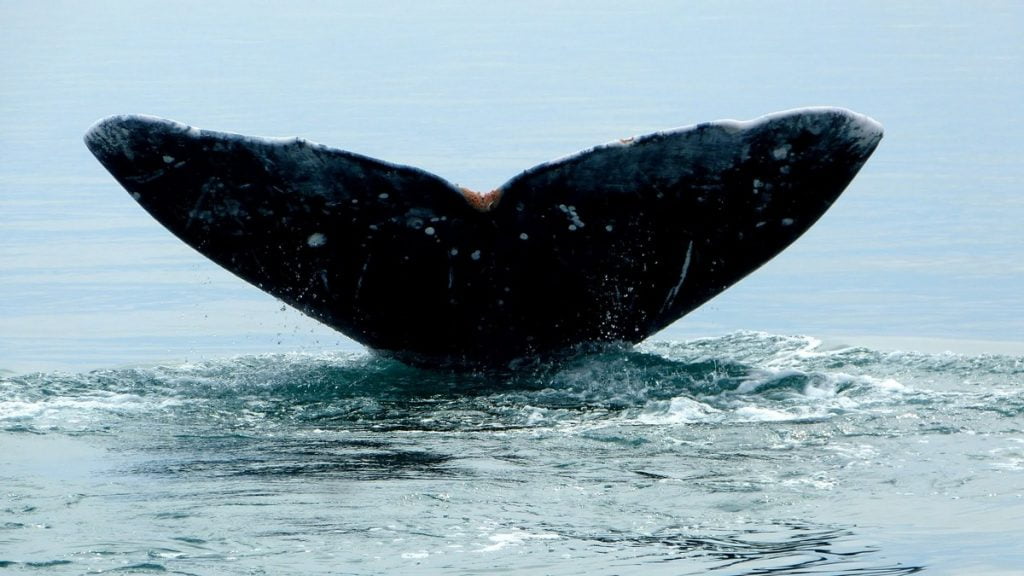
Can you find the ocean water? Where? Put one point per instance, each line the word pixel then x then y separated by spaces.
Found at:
pixel 743 454
pixel 854 407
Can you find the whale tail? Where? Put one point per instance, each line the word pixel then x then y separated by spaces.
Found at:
pixel 610 244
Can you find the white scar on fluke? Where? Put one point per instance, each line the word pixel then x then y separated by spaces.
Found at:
pixel 682 278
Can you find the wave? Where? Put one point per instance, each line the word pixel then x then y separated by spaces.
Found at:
pixel 701 454
pixel 744 377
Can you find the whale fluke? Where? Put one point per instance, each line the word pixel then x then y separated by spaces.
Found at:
pixel 608 245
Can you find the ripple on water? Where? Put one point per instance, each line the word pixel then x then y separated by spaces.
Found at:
pixel 748 454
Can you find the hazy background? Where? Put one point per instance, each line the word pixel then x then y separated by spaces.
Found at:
pixel 923 251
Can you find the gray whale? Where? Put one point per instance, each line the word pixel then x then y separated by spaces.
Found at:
pixel 610 244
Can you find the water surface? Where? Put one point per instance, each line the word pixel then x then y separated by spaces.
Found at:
pixel 747 454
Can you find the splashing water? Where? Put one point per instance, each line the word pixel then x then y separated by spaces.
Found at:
pixel 748 454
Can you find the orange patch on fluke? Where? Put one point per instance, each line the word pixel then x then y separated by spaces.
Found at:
pixel 481 202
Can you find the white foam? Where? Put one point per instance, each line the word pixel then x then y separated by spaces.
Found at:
pixel 71 413
pixel 762 414
pixel 516 537
pixel 680 410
